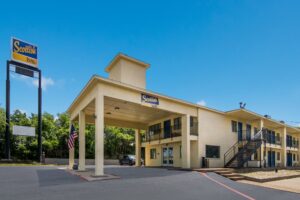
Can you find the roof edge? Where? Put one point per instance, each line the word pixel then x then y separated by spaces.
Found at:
pixel 263 117
pixel 126 57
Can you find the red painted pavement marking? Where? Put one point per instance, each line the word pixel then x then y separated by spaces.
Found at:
pixel 227 187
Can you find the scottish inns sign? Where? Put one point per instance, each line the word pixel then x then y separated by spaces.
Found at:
pixel 24 52
pixel 145 98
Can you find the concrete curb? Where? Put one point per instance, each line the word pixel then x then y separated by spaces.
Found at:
pixel 269 179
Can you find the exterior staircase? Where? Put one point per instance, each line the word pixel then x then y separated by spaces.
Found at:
pixel 241 152
pixel 230 174
pixel 225 172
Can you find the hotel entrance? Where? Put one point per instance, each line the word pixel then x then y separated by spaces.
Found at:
pixel 167 156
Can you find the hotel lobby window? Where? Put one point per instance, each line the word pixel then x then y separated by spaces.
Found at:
pixel 152 153
pixel 234 126
pixel 177 123
pixel 212 151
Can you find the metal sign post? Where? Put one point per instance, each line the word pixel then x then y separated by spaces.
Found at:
pixel 24 58
pixel 7 135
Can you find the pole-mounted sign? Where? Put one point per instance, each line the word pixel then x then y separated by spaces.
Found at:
pixel 24 52
pixel 24 58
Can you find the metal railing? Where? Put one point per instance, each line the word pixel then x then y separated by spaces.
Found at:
pixel 245 141
pixel 277 140
pixel 246 135
pixel 294 144
pixel 170 132
pixel 163 133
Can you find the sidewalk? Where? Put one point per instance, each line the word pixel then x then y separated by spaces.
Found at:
pixel 290 185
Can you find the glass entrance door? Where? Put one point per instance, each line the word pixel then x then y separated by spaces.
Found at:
pixel 167 129
pixel 289 160
pixel 167 156
pixel 271 158
pixel 240 131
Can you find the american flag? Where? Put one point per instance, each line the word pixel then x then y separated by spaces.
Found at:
pixel 72 137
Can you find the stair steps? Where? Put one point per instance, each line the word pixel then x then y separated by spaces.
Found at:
pixel 230 175
pixel 225 172
pixel 236 178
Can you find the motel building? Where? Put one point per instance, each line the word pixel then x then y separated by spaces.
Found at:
pixel 174 133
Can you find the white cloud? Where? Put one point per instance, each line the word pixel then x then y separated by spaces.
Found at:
pixel 22 111
pixel 46 82
pixel 201 103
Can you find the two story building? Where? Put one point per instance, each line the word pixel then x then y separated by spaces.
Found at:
pixel 175 133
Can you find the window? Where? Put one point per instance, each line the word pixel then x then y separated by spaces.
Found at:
pixel 255 156
pixel 193 121
pixel 294 157
pixel 152 153
pixel 289 141
pixel 180 152
pixel 155 129
pixel 177 123
pixel 278 155
pixel 234 126
pixel 212 151
pixel 278 138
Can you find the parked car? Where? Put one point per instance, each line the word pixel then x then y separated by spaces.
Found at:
pixel 128 160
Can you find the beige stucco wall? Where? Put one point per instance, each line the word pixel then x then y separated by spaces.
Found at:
pixel 195 163
pixel 158 161
pixel 134 74
pixel 133 96
pixel 116 72
pixel 153 162
pixel 129 73
pixel 215 129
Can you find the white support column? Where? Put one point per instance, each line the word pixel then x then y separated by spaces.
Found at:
pixel 262 147
pixel 284 158
pixel 137 147
pixel 185 142
pixel 71 152
pixel 199 159
pixel 298 150
pixel 99 135
pixel 81 165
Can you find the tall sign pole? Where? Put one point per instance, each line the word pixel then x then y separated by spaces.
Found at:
pixel 7 127
pixel 40 117
pixel 24 58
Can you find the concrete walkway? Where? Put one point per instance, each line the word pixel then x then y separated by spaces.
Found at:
pixel 290 185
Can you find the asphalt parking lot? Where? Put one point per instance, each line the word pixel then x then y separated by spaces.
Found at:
pixel 135 183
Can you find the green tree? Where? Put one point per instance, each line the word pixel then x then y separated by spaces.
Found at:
pixel 2 131
pixel 55 134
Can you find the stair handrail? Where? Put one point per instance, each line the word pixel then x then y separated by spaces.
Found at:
pixel 232 150
pixel 257 145
pixel 258 135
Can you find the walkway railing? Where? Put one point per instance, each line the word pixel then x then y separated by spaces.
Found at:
pixel 167 132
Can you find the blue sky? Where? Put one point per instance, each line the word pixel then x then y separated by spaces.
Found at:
pixel 214 52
